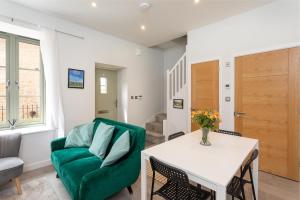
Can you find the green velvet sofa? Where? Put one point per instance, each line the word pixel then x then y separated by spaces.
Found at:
pixel 80 171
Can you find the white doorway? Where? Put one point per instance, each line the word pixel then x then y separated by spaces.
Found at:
pixel 106 91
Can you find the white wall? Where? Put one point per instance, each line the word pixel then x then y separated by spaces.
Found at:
pixel 273 26
pixel 171 56
pixel 35 149
pixel 143 76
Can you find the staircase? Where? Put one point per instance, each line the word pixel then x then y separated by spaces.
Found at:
pixel 177 88
pixel 154 130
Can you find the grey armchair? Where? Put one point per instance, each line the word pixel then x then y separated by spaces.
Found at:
pixel 11 167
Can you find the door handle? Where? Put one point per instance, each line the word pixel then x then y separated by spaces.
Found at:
pixel 239 114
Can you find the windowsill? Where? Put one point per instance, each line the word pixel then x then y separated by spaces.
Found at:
pixel 28 130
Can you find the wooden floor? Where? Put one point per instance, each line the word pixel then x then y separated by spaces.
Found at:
pixel 270 188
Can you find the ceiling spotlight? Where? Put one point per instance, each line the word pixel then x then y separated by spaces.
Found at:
pixel 196 1
pixel 143 27
pixel 145 5
pixel 94 4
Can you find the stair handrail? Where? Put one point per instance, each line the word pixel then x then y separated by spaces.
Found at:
pixel 178 62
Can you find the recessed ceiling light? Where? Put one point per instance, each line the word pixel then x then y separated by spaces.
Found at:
pixel 196 1
pixel 145 6
pixel 94 4
pixel 143 27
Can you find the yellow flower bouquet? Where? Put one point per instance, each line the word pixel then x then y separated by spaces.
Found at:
pixel 208 121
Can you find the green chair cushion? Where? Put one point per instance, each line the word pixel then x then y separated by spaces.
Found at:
pixel 61 157
pixel 80 136
pixel 74 171
pixel 101 140
pixel 118 150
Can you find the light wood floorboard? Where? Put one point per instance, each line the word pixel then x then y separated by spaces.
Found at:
pixel 270 188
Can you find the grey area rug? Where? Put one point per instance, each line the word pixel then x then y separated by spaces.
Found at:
pixel 46 188
pixel 35 190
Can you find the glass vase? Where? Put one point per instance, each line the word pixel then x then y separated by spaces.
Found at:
pixel 204 141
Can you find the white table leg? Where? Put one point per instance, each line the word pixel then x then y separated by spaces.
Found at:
pixel 255 174
pixel 143 177
pixel 221 193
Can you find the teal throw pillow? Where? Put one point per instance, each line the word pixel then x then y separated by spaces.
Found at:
pixel 101 140
pixel 80 136
pixel 118 150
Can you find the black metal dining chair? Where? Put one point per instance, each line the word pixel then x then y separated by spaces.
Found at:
pixel 236 186
pixel 177 186
pixel 175 135
pixel 229 132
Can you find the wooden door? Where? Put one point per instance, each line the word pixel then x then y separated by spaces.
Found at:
pixel 205 87
pixel 266 104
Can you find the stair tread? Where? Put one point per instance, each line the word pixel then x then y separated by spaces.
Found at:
pixel 155 122
pixel 160 117
pixel 154 134
pixel 162 114
pixel 154 127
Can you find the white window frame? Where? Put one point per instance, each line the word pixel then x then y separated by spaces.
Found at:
pixel 12 75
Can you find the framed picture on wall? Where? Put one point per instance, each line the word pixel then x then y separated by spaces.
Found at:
pixel 75 78
pixel 178 103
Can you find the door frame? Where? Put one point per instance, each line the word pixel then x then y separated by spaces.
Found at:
pixel 113 68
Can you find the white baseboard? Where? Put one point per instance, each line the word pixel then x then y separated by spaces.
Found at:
pixel 36 165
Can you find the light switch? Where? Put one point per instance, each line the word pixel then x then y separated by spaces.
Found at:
pixel 227 99
pixel 227 64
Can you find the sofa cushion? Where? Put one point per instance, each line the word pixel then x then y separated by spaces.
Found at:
pixel 118 131
pixel 73 172
pixel 101 140
pixel 80 136
pixel 118 150
pixel 61 157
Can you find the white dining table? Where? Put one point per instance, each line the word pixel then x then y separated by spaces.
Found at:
pixel 211 166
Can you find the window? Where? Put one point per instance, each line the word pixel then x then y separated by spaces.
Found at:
pixel 103 85
pixel 21 81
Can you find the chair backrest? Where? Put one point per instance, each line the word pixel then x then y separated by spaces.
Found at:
pixel 10 145
pixel 249 162
pixel 175 135
pixel 171 173
pixel 229 132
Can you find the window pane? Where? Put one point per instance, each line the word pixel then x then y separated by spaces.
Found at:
pixel 2 110
pixel 29 110
pixel 103 85
pixel 2 52
pixel 29 83
pixel 103 89
pixel 29 56
pixel 2 80
pixel 103 81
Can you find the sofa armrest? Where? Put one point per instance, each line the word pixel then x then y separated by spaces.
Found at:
pixel 104 182
pixel 58 144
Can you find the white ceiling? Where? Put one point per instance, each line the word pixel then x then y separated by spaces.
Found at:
pixel 166 19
